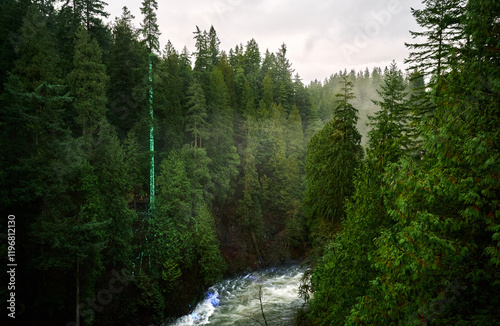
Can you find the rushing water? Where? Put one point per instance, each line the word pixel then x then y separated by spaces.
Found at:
pixel 235 301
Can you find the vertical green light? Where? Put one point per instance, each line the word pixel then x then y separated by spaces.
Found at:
pixel 151 137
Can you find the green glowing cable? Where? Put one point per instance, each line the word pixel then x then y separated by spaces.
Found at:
pixel 151 137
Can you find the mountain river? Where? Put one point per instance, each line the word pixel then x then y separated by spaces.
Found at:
pixel 235 301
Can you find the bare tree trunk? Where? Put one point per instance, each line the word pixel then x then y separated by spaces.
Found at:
pixel 261 306
pixel 256 246
pixel 77 292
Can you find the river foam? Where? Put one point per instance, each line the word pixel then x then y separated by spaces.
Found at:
pixel 235 301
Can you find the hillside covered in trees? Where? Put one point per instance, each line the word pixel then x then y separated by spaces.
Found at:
pixel 141 175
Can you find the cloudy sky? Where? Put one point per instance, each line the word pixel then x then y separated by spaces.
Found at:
pixel 322 36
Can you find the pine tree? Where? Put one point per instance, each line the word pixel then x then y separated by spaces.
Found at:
pixel 267 96
pixel 228 73
pixel 333 154
pixel 441 19
pixel 116 185
pixel 213 48
pixel 174 186
pixel 12 13
pixel 389 135
pixel 88 82
pixel 169 114
pixel 301 100
pixel 250 206
pixel 346 264
pixel 353 247
pixel 197 166
pixel 149 26
pixel 173 243
pixel 126 72
pixel 202 56
pixel 283 78
pixel 206 51
pixel 207 246
pixel 150 32
pixel 293 185
pixel 251 59
pixel 89 11
pixel 277 164
pixel 221 148
pixel 197 114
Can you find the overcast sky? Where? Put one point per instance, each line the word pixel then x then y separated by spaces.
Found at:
pixel 322 36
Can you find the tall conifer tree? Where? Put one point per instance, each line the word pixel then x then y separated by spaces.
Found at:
pixel 150 33
pixel 88 82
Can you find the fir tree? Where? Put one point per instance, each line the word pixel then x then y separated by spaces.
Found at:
pixel 149 26
pixel 221 148
pixel 283 78
pixel 89 12
pixel 126 72
pixel 169 103
pixel 389 134
pixel 88 82
pixel 207 246
pixel 333 154
pixel 251 58
pixel 196 123
pixel 277 159
pixel 441 19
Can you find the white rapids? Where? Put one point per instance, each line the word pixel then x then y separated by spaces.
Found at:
pixel 235 301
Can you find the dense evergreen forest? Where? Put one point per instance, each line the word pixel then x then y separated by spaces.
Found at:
pixel 141 175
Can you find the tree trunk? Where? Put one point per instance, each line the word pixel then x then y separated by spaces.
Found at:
pixel 256 246
pixel 77 292
pixel 261 305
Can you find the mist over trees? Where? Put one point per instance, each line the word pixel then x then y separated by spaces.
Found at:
pixel 419 241
pixel 386 181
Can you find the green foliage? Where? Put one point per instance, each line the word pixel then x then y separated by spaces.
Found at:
pixel 434 254
pixel 127 71
pixel 333 154
pixel 151 297
pixel 89 11
pixel 346 265
pixel 207 246
pixel 277 160
pixel 174 188
pixel 441 21
pixel 168 105
pixel 115 186
pixel 220 147
pixel 88 82
pixel 249 207
pixel 197 114
pixel 389 136
pixel 149 27
pixel 229 134
pixel 197 166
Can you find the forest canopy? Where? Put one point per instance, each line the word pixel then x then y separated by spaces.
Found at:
pixel 162 171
